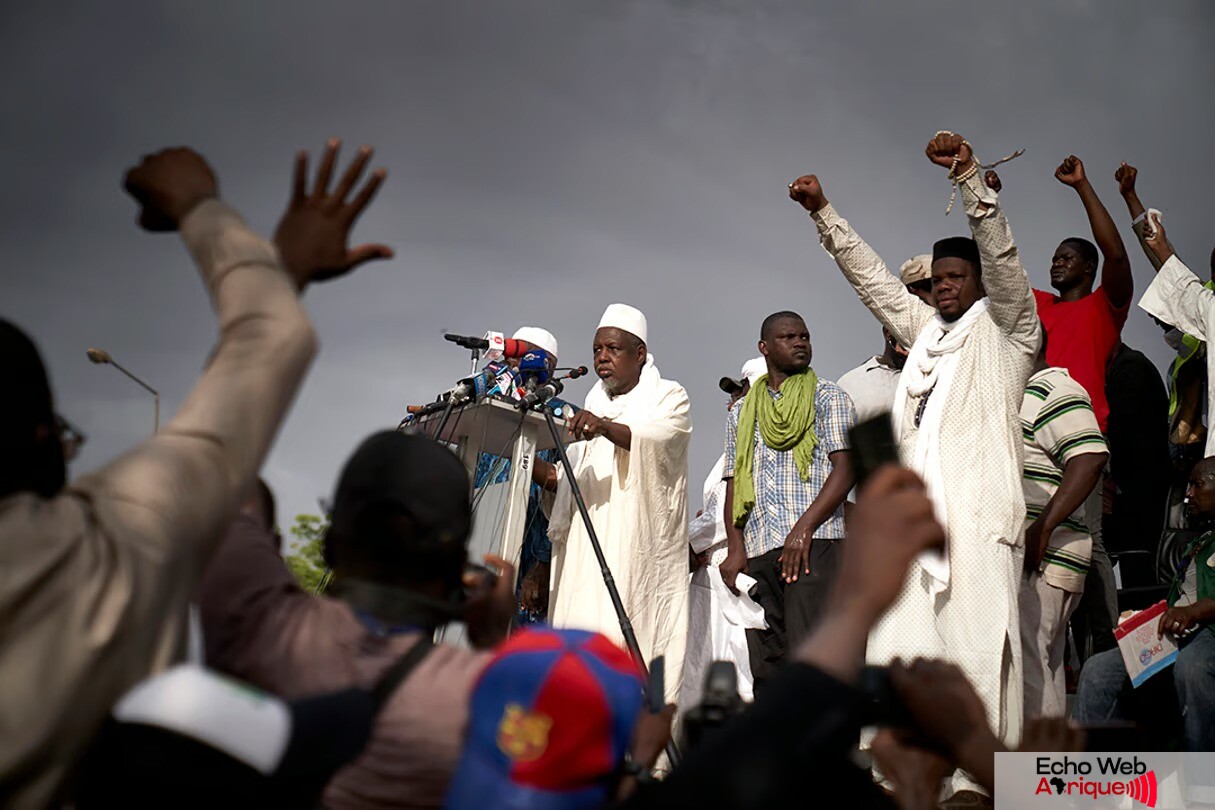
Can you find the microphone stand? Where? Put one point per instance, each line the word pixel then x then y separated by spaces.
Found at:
pixel 451 401
pixel 626 626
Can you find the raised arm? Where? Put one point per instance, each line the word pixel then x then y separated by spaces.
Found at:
pixel 180 488
pixel 1011 300
pixel 898 310
pixel 1176 296
pixel 1126 177
pixel 245 582
pixel 1115 266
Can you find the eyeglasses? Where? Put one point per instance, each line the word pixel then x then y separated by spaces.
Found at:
pixel 69 434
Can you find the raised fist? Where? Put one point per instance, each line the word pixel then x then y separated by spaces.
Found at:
pixel 808 192
pixel 1157 240
pixel 1125 176
pixel 167 186
pixel 993 181
pixel 1070 171
pixel 944 148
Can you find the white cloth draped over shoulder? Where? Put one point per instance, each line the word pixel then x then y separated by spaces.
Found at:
pixel 637 500
pixel 929 371
pixel 973 620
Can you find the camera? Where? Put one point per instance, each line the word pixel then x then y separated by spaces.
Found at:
pixel 882 705
pixel 721 701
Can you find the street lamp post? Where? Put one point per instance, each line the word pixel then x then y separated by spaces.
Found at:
pixel 103 358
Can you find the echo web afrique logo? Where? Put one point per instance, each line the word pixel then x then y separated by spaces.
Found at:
pixel 1068 777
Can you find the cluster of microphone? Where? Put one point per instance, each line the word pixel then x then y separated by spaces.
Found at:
pixel 532 385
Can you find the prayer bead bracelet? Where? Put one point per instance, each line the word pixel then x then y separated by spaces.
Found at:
pixel 972 170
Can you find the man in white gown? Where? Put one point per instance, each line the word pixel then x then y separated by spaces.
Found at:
pixel 630 458
pixel 956 418
pixel 717 618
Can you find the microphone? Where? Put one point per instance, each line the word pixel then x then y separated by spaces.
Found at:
pixel 533 367
pixel 468 341
pixel 574 373
pixel 542 394
pixel 472 387
pixel 509 347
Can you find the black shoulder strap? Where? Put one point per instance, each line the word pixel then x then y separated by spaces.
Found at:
pixel 401 670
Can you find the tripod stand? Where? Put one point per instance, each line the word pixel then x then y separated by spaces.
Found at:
pixel 626 626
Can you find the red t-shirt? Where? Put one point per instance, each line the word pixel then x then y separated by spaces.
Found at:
pixel 1080 337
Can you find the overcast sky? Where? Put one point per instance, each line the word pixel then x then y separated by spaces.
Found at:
pixel 548 158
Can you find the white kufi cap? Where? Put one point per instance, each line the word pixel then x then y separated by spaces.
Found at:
pixel 542 338
pixel 626 318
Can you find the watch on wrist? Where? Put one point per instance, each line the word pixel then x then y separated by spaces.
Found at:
pixel 631 767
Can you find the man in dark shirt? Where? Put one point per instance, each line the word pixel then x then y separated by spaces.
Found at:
pixel 1139 470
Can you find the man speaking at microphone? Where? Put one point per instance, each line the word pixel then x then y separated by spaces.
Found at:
pixel 536 553
pixel 630 460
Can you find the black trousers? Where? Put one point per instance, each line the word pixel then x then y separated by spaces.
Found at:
pixel 791 609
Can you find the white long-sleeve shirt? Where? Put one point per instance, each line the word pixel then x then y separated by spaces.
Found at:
pixel 1177 297
pixel 976 620
pixel 94 582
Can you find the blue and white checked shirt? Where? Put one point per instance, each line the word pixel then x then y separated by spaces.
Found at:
pixel 781 496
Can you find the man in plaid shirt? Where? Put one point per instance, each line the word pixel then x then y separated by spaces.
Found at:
pixel 784 523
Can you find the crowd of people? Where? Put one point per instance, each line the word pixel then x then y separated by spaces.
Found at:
pixel 150 629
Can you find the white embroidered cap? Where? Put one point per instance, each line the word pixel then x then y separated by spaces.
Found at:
pixel 626 318
pixel 541 338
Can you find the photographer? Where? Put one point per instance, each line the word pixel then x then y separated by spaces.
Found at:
pixel 396 546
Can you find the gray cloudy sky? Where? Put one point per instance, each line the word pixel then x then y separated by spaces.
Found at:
pixel 548 158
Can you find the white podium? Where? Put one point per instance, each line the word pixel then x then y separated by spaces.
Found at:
pixel 496 426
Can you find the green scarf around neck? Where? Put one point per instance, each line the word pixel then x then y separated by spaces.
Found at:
pixel 785 424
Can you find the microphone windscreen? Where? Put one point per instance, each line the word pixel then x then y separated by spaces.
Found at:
pixel 535 365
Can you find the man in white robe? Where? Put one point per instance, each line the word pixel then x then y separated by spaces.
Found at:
pixel 718 619
pixel 956 418
pixel 630 458
pixel 1176 296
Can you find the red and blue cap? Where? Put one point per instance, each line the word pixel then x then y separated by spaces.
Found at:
pixel 551 718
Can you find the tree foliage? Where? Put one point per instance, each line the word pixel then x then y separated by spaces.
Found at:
pixel 305 556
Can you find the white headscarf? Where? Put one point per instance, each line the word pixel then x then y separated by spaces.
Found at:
pixel 642 396
pixel 930 367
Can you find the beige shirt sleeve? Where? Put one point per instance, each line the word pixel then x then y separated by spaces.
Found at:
pixel 181 487
pixel 1177 297
pixel 1010 297
pixel 94 583
pixel 901 312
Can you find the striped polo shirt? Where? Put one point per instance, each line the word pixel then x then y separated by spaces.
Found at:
pixel 1058 424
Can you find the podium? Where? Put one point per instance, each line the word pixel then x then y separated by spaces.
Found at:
pixel 495 426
